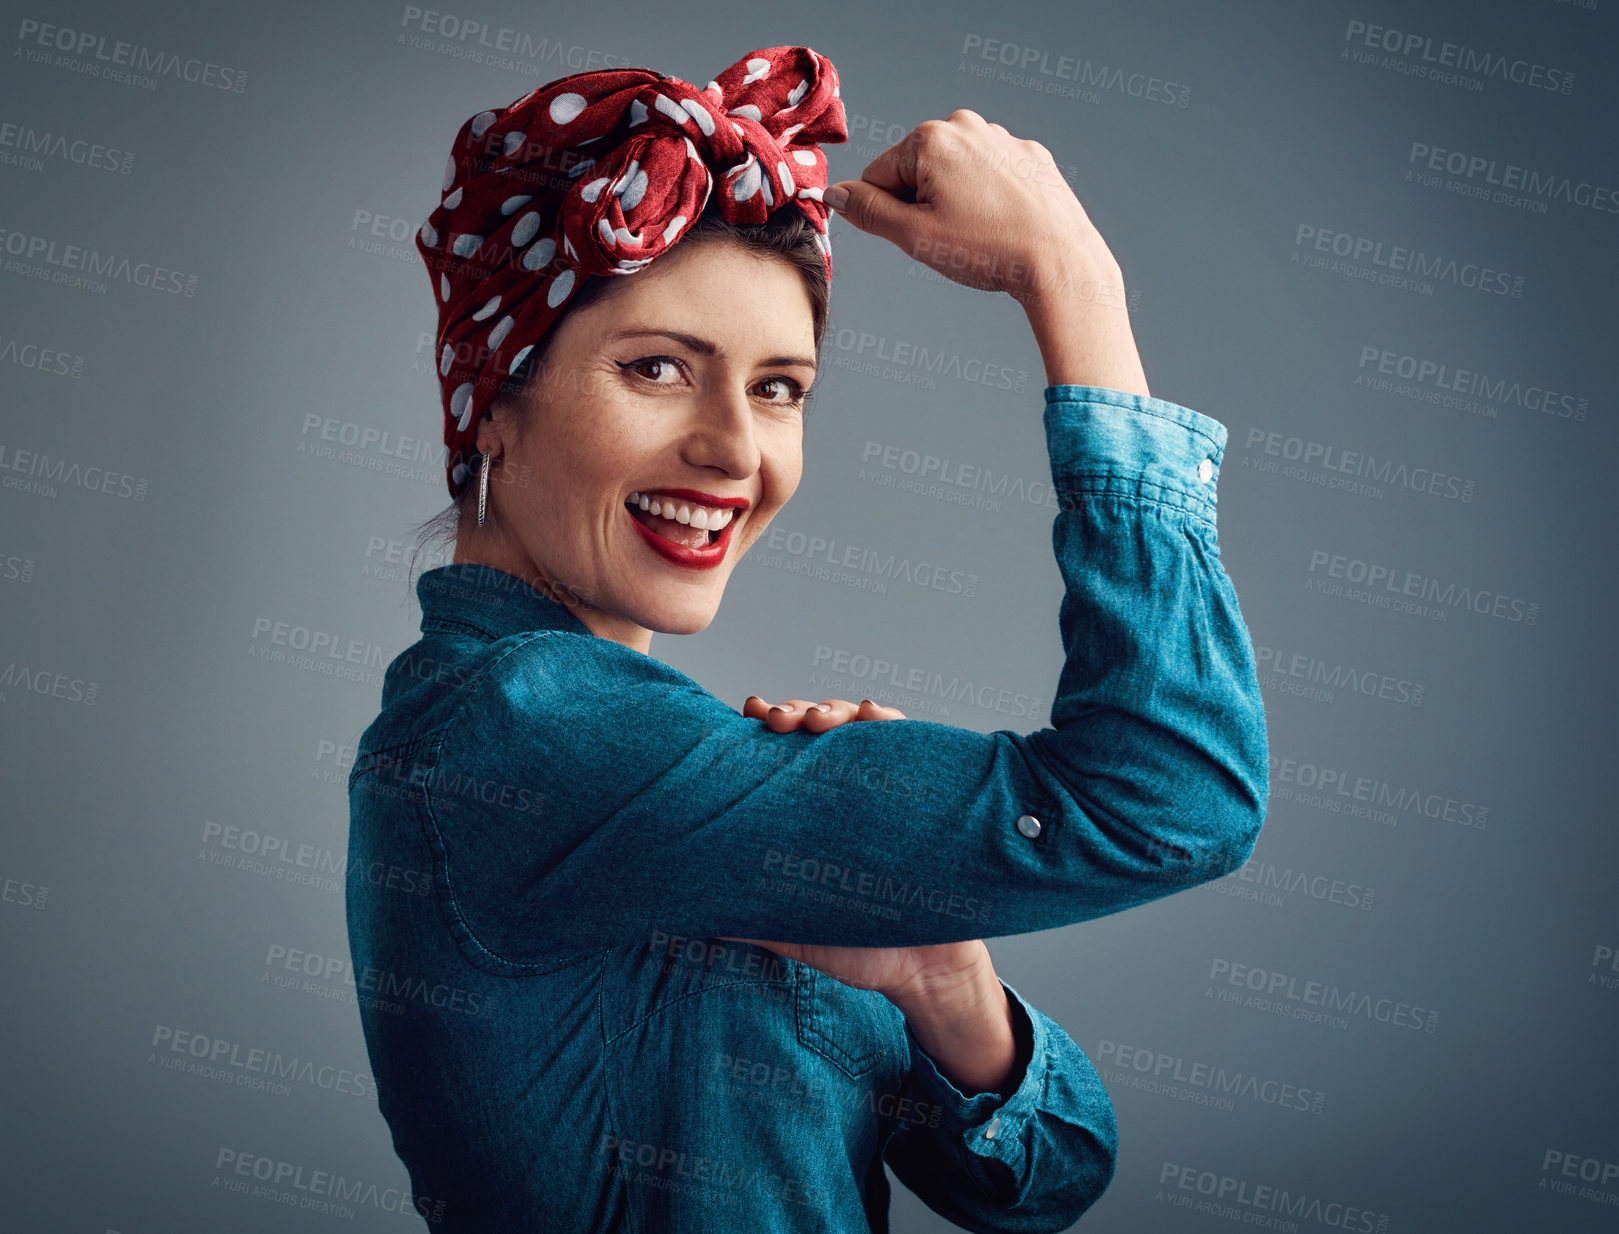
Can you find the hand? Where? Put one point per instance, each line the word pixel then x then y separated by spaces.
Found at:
pixel 896 972
pixel 798 713
pixel 992 211
pixel 978 205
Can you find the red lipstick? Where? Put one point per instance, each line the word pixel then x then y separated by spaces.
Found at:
pixel 704 558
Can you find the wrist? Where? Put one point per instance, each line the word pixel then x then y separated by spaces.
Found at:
pixel 1078 308
pixel 965 1025
pixel 1084 266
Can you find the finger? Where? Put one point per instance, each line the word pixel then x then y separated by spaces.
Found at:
pixel 787 717
pixel 881 213
pixel 836 711
pixel 876 711
pixel 779 717
pixel 882 202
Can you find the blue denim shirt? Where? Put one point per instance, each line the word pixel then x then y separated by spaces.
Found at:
pixel 560 1038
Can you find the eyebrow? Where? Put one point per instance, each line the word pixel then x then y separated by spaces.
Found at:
pixel 704 347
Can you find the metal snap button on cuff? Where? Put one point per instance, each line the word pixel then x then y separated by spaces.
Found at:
pixel 994 1128
pixel 1028 825
pixel 1205 470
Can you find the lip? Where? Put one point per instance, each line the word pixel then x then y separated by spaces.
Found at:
pixel 705 558
pixel 705 499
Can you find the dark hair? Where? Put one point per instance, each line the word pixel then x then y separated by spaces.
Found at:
pixel 787 235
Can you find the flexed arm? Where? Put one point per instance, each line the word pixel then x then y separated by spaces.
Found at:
pixel 659 807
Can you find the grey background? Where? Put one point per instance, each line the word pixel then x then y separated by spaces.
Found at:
pixel 127 914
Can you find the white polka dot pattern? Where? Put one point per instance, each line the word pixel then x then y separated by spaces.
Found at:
pixel 596 175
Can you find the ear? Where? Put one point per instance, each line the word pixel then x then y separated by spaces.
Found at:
pixel 491 440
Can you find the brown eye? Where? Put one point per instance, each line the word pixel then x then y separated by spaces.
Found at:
pixel 664 364
pixel 787 391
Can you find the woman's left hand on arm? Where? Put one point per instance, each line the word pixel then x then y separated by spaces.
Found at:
pixel 948 992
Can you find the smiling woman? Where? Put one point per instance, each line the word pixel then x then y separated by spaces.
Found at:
pixel 710 970
pixel 684 387
pixel 623 325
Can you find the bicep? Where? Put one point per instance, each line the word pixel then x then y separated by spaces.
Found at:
pixel 647 804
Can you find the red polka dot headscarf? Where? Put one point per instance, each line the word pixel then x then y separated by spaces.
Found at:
pixel 598 173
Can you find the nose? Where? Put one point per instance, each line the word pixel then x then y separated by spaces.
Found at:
pixel 721 432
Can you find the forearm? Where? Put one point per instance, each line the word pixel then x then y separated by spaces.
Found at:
pixel 966 1028
pixel 1075 302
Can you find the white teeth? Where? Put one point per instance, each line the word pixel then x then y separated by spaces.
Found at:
pixel 704 517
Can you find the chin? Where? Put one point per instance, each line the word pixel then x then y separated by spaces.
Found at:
pixel 676 618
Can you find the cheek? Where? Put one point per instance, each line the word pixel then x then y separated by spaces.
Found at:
pixel 783 466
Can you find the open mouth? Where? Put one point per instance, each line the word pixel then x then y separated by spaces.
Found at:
pixel 670 527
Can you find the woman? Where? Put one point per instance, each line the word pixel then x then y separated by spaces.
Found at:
pixel 690 969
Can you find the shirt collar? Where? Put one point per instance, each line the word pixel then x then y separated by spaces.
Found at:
pixel 469 595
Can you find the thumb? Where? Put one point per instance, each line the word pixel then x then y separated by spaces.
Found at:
pixel 872 209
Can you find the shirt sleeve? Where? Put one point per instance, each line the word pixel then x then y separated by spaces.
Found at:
pixel 1033 1160
pixel 586 794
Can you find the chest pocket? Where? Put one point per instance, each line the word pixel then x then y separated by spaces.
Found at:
pixel 850 1028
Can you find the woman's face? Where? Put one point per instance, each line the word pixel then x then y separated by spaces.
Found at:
pixel 685 383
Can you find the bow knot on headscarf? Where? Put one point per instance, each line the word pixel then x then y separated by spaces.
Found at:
pixel 599 173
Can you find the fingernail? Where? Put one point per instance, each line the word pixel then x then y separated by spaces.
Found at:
pixel 782 707
pixel 820 707
pixel 866 702
pixel 835 196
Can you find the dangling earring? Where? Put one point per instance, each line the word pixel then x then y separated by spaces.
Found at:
pixel 483 489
